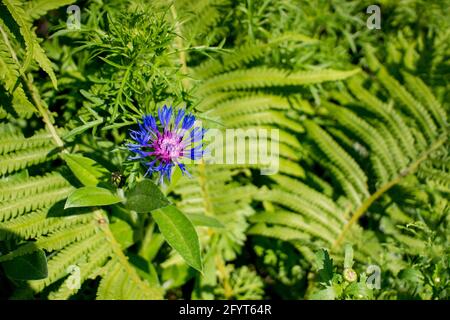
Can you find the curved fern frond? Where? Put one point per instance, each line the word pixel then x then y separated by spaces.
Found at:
pixel 260 77
pixel 38 223
pixel 13 208
pixel 37 8
pixel 244 55
pixel 362 128
pixel 34 49
pixel 69 255
pixel 33 185
pixel 18 160
pixel 15 142
pixel 10 78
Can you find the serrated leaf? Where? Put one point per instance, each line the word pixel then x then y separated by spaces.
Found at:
pixel 31 266
pixel 145 197
pixel 91 196
pixel 180 233
pixel 34 49
pixel 324 266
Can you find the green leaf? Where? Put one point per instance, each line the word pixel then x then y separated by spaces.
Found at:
pixel 324 266
pixel 202 220
pixel 91 196
pixel 359 290
pixel 81 129
pixel 86 170
pixel 180 233
pixel 176 275
pixel 144 268
pixel 34 50
pixel 122 232
pixel 145 197
pixel 325 294
pixel 31 266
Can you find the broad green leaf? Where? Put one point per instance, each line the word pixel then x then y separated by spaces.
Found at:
pixel 145 197
pixel 202 220
pixel 180 233
pixel 31 266
pixel 122 232
pixel 91 196
pixel 85 169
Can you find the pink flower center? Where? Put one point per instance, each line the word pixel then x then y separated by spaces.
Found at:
pixel 168 147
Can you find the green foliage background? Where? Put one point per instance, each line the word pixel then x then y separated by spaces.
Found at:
pixel 364 151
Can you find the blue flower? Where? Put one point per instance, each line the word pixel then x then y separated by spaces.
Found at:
pixel 161 147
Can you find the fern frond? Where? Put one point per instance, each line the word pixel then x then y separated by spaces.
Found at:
pixel 309 194
pixel 275 118
pixel 244 55
pixel 38 223
pixel 69 255
pixel 10 69
pixel 21 104
pixel 306 208
pixel 278 232
pixel 294 221
pixel 24 158
pixel 202 16
pixel 260 77
pixel 10 78
pixel 339 157
pixel 54 241
pixel 89 269
pixel 424 94
pixel 31 186
pixel 389 116
pixel 411 105
pixel 118 284
pixel 34 49
pixel 38 8
pixel 15 207
pixel 15 142
pixel 249 105
pixel 366 133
